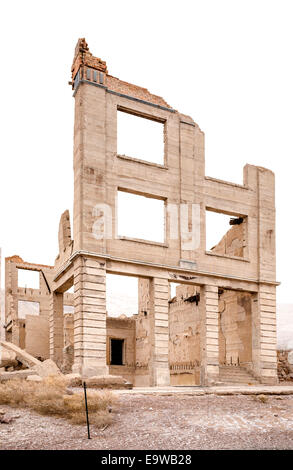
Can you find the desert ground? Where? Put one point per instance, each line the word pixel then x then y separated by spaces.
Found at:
pixel 163 422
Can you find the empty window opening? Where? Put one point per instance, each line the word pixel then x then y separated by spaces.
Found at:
pixel 140 138
pixel 68 309
pixel 117 346
pixel 185 292
pixel 140 217
pixel 28 278
pixel 172 290
pixel 225 234
pixel 122 295
pixel 27 307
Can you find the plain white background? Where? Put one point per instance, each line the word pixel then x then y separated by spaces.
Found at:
pixel 228 64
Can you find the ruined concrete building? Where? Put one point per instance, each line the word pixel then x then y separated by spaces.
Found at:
pixel 221 326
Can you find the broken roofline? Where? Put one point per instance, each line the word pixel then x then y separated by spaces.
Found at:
pixel 92 70
pixel 26 264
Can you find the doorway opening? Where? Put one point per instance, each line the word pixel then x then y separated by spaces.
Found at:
pixel 117 347
pixel 184 334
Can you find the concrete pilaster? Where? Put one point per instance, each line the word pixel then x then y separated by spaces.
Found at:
pixel 209 305
pixel 265 334
pixel 159 362
pixel 89 317
pixel 56 325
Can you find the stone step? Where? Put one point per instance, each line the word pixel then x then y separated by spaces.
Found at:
pixel 235 371
pixel 236 374
pixel 242 381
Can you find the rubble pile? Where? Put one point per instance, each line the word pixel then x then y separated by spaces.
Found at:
pixel 16 363
pixel 285 365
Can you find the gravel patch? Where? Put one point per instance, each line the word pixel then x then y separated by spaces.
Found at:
pixel 163 422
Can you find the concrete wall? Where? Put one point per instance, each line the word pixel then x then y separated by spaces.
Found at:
pixel 143 349
pixel 233 242
pixel 26 332
pixel 184 342
pixel 122 328
pixel 235 325
pixel 37 336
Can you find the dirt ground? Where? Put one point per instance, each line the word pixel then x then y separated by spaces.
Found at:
pixel 163 422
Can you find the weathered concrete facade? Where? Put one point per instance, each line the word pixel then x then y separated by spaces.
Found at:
pixel 17 326
pixel 30 330
pixel 243 262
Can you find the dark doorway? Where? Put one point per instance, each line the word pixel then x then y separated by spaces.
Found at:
pixel 117 352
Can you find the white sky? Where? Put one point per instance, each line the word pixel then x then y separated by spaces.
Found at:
pixel 140 217
pixel 130 127
pixel 227 64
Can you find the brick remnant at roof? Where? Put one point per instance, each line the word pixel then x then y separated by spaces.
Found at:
pixel 83 60
pixel 129 89
pixel 83 57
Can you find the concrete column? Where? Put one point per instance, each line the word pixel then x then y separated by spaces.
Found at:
pixel 56 324
pixel 89 317
pixel 159 360
pixel 264 344
pixel 209 305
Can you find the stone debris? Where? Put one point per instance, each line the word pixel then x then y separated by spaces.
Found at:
pixel 4 420
pixel 46 368
pixel 73 380
pixel 262 398
pixel 35 371
pixel 21 355
pixel 7 358
pixel 285 368
pixel 17 374
pixel 108 381
pixel 34 378
pixel 7 419
pixel 101 381
pixel 290 358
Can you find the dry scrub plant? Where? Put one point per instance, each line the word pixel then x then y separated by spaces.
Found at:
pixel 51 397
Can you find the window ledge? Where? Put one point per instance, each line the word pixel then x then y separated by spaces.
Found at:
pixel 145 162
pixel 145 242
pixel 216 180
pixel 238 258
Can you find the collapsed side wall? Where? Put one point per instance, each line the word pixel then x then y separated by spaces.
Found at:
pixel 26 332
pixel 32 332
pixel 233 242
